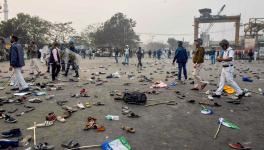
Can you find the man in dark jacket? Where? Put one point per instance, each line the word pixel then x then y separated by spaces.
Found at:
pixel 17 62
pixel 139 54
pixel 182 58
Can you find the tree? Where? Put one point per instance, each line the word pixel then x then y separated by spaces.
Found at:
pixel 26 27
pixel 61 32
pixel 155 46
pixel 172 43
pixel 116 32
pixel 87 36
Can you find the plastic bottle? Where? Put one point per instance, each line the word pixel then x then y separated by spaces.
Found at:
pixel 111 117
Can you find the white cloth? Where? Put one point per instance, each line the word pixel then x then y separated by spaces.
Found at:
pixel 20 79
pixel 196 75
pixel 127 51
pixel 229 53
pixel 227 75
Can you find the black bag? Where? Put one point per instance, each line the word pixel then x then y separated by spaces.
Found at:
pixel 135 98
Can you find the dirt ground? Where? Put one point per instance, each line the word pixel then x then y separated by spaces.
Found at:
pixel 162 127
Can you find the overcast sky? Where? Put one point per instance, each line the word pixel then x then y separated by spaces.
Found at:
pixel 152 16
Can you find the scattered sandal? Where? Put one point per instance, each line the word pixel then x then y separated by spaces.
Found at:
pixel 129 129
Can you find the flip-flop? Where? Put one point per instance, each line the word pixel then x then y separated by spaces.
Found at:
pixel 129 129
pixel 88 105
pixel 238 146
pixel 61 119
pixel 133 115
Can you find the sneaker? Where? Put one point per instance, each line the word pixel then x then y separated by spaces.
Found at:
pixel 51 117
pixel 11 133
pixel 10 119
pixel 238 96
pixel 24 90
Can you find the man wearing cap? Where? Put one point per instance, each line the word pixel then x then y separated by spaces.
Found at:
pixel 198 60
pixel 227 61
pixel 182 58
pixel 17 62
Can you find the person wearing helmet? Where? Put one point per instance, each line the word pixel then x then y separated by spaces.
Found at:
pixel 227 61
pixel 198 60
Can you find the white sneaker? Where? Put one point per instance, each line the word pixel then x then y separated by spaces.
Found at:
pixel 80 105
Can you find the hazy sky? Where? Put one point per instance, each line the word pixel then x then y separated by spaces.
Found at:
pixel 152 16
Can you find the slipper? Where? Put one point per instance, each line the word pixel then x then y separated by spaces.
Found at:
pixel 80 105
pixel 70 109
pixel 191 101
pixel 133 115
pixel 129 129
pixel 29 110
pixel 118 98
pixel 238 146
pixel 98 104
pixel 100 128
pixel 125 110
pixel 61 119
pixel 43 146
pixel 35 100
pixel 66 114
pixel 88 105
pixel 70 144
pixel 203 86
pixel 25 141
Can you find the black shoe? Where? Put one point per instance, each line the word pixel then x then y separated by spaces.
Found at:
pixel 11 133
pixel 216 96
pixel 10 119
pixel 76 76
pixel 24 90
pixel 240 96
pixel 14 89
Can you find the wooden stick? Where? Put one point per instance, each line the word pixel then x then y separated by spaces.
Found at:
pixel 34 133
pixel 84 147
pixel 218 130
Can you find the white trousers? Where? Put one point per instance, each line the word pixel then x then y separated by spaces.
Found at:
pixel 227 75
pixel 20 79
pixel 196 75
pixel 34 65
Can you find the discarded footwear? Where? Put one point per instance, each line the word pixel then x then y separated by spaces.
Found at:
pixel 238 146
pixel 51 117
pixel 25 141
pixel 133 115
pixel 61 119
pixel 129 129
pixel 11 133
pixel 194 89
pixel 70 144
pixel 98 104
pixel 203 86
pixel 88 105
pixel 35 100
pixel 9 119
pixel 43 146
pixel 216 96
pixel 80 105
pixel 100 128
pixel 191 101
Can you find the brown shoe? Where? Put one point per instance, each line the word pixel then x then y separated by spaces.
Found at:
pixel 195 89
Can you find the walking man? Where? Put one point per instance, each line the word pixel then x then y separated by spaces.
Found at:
pixel 72 61
pixel 55 61
pixel 182 58
pixel 149 53
pixel 198 60
pixel 17 62
pixel 227 61
pixel 33 55
pixel 139 54
pixel 127 55
pixel 116 54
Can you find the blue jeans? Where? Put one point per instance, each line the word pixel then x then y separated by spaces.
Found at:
pixel 182 66
pixel 116 58
pixel 212 57
pixel 8 143
pixel 127 59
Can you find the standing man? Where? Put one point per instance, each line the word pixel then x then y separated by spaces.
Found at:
pixel 182 58
pixel 250 55
pixel 55 61
pixel 17 62
pixel 212 56
pixel 33 55
pixel 227 71
pixel 72 61
pixel 139 54
pixel 198 60
pixel 149 53
pixel 116 54
pixel 127 55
